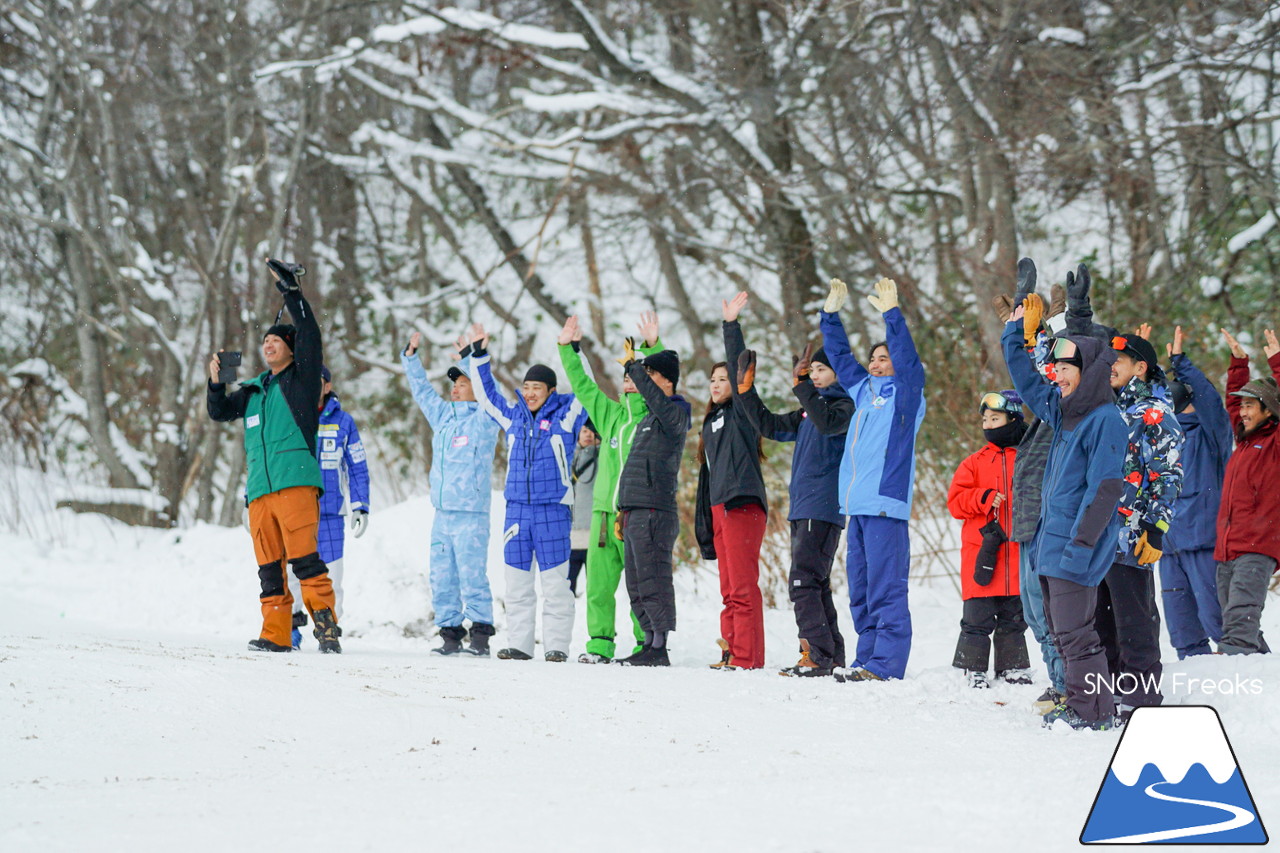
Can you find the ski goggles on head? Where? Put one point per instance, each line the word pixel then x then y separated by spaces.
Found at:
pixel 1065 349
pixel 998 402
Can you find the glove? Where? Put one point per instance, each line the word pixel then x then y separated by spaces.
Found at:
pixel 836 298
pixel 1150 545
pixel 746 370
pixel 984 565
pixel 885 296
pixel 618 525
pixel 1026 281
pixel 466 351
pixel 1078 284
pixel 1003 306
pixel 800 366
pixel 1034 306
pixel 286 274
pixel 1057 302
pixel 359 522
pixel 628 352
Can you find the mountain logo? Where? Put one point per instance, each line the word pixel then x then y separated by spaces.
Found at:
pixel 1174 779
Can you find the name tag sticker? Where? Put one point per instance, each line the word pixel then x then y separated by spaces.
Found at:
pixel 461 441
pixel 544 425
pixel 251 422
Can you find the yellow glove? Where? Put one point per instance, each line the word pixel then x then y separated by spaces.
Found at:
pixel 885 296
pixel 618 525
pixel 1034 307
pixel 1145 552
pixel 628 352
pixel 836 298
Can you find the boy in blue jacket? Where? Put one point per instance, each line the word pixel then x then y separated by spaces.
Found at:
pixel 542 431
pixel 1079 525
pixel 340 453
pixel 462 443
pixel 877 476
pixel 1188 573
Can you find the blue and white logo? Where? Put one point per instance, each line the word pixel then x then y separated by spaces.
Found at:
pixel 1174 779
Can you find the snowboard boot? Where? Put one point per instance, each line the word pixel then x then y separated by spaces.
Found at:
pixel 261 645
pixel 648 656
pixel 592 657
pixel 1067 714
pixel 1048 700
pixel 977 679
pixel 452 636
pixel 1015 676
pixel 858 673
pixel 513 654
pixel 327 632
pixel 479 643
pixel 805 667
pixel 556 657
pixel 299 621
pixel 726 658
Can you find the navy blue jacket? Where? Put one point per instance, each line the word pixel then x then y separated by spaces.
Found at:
pixel 1204 462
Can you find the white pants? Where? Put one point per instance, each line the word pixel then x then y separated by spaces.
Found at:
pixel 557 608
pixel 335 575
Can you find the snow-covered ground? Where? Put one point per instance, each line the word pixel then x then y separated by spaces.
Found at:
pixel 133 718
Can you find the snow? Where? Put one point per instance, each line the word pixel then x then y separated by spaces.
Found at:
pixel 1254 232
pixel 1062 34
pixel 101 495
pixel 423 26
pixel 132 716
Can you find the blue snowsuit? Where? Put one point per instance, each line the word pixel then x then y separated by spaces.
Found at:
pixel 877 475
pixel 463 439
pixel 346 475
pixel 1187 569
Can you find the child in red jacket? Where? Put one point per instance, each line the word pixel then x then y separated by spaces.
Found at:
pixel 979 496
pixel 1248 536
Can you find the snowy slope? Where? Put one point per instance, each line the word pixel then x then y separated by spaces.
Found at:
pixel 132 718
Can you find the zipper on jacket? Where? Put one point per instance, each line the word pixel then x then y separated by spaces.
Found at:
pixel 262 435
pixel 1004 479
pixel 853 456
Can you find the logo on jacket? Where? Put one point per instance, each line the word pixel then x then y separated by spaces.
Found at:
pixel 1174 779
pixel 717 424
pixel 544 424
pixel 613 442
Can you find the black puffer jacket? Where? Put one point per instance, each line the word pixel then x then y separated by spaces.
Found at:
pixel 652 469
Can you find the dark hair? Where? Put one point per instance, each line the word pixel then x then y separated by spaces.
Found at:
pixel 712 408
pixel 872 352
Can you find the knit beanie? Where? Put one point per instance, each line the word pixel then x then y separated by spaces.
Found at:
pixel 284 332
pixel 666 364
pixel 541 373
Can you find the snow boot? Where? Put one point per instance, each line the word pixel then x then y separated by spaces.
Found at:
pixel 1015 676
pixel 479 643
pixel 858 673
pixel 1048 700
pixel 1068 715
pixel 299 621
pixel 296 639
pixel 327 632
pixel 556 657
pixel 592 657
pixel 260 645
pixel 452 636
pixel 726 658
pixel 648 656
pixel 805 667
pixel 977 678
pixel 513 654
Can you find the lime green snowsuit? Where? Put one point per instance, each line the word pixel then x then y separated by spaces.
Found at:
pixel 616 424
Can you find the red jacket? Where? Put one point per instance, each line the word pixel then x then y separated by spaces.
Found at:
pixel 1249 516
pixel 973 489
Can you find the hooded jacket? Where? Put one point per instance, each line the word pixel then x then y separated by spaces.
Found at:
pixel 342 461
pixel 1083 478
pixel 279 412
pixel 652 469
pixel 1249 517
pixel 1152 464
pixel 463 439
pixel 974 487
pixel 1205 451
pixel 878 469
pixel 729 437
pixel 539 445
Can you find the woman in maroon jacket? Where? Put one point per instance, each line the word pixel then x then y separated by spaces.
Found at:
pixel 1248 536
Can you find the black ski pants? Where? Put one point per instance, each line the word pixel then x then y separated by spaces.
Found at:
pixel 1128 624
pixel 813 548
pixel 1069 608
pixel 649 535
pixel 982 617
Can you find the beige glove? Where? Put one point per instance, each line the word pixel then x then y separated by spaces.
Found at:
pixel 1033 306
pixel 885 296
pixel 836 298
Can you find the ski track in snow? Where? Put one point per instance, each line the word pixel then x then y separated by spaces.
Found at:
pixel 1239 817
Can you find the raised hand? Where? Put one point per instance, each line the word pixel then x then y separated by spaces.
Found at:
pixel 1033 313
pixel 733 307
pixel 1078 285
pixel 566 333
pixel 1026 280
pixel 800 366
pixel 1143 331
pixel 837 297
pixel 1175 348
pixel 215 364
pixel 884 296
pixel 1237 351
pixel 462 348
pixel 628 352
pixel 1018 314
pixel 414 341
pixel 1272 347
pixel 746 370
pixel 286 274
pixel 1003 306
pixel 648 327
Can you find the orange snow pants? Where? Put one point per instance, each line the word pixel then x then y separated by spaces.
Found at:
pixel 283 525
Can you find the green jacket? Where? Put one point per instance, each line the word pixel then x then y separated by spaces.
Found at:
pixel 275 449
pixel 615 422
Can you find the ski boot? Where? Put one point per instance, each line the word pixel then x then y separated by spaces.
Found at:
pixel 261 645
pixel 592 657
pixel 452 636
pixel 513 654
pixel 977 679
pixel 1067 714
pixel 299 621
pixel 556 657
pixel 1015 676
pixel 857 673
pixel 805 667
pixel 1048 700
pixel 648 656
pixel 327 632
pixel 726 658
pixel 479 643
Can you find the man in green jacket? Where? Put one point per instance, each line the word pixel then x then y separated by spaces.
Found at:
pixel 616 424
pixel 280 413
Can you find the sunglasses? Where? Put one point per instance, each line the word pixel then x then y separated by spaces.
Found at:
pixel 998 403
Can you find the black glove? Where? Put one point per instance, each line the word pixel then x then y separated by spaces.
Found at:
pixel 286 274
pixel 1078 284
pixel 1026 281
pixel 469 349
pixel 984 567
pixel 746 370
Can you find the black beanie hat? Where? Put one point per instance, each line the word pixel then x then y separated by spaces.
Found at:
pixel 1182 395
pixel 820 356
pixel 666 364
pixel 1140 349
pixel 541 373
pixel 455 373
pixel 325 375
pixel 284 332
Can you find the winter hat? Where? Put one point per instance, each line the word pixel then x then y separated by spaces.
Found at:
pixel 820 356
pixel 666 364
pixel 541 373
pixel 284 332
pixel 455 373
pixel 1006 401
pixel 1263 390
pixel 1140 349
pixel 1182 395
pixel 325 375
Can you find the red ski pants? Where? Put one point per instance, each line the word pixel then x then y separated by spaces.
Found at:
pixel 738 533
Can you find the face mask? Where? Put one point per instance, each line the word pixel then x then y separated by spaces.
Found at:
pixel 1006 436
